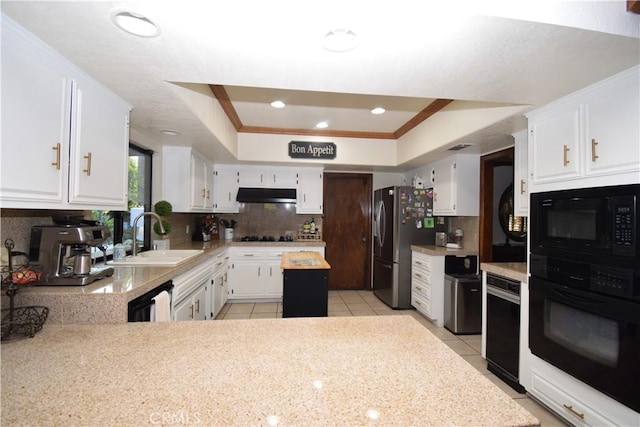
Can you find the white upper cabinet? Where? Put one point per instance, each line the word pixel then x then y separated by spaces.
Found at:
pixel 589 138
pixel 520 175
pixel 187 180
pixel 456 188
pixel 309 191
pixel 225 189
pixel 64 136
pixel 261 177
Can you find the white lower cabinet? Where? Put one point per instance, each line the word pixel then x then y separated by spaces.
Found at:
pixel 189 295
pixel 255 271
pixel 427 286
pixel 573 400
pixel 218 290
pixel 192 307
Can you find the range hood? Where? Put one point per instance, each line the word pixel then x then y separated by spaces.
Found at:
pixel 266 195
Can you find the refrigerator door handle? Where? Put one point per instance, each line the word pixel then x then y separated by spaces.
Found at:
pixel 382 225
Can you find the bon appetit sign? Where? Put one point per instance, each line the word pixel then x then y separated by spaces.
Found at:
pixel 312 150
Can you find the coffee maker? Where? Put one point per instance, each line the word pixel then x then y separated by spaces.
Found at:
pixel 63 252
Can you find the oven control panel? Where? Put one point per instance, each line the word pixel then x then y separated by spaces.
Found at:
pixel 624 227
pixel 612 281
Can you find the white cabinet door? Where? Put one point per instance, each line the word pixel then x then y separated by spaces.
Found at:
pixel 443 187
pixel 521 175
pixel 64 137
pixel 588 138
pixel 35 129
pixel 427 285
pixel 456 185
pixel 198 187
pixel 612 130
pixel 199 303
pixel 309 192
pixel 98 169
pixel 252 177
pixel 283 178
pixel 554 140
pixel 272 275
pixel 225 189
pixel 246 280
pixel 183 311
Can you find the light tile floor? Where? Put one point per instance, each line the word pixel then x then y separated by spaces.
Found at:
pixel 365 303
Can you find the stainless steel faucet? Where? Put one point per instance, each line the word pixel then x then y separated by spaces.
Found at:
pixel 134 249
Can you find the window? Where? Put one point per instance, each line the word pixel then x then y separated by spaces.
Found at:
pixel 120 223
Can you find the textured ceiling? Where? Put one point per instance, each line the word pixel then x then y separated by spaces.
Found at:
pixel 410 53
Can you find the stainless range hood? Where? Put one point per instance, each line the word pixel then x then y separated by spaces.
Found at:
pixel 266 195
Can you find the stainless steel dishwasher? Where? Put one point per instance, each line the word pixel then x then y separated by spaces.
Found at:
pixel 462 295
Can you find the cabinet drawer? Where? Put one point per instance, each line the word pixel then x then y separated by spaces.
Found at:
pixel 421 262
pixel 419 275
pixel 420 304
pixel 248 254
pixel 578 411
pixel 421 289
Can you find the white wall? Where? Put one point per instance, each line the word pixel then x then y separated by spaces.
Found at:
pixel 258 147
pixel 457 120
pixel 382 180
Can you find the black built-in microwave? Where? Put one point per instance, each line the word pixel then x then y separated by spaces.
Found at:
pixel 587 224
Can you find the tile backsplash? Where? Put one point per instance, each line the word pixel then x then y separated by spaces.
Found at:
pixel 268 219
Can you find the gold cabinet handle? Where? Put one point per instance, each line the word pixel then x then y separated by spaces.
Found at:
pixel 573 411
pixel 197 306
pixel 418 275
pixel 191 308
pixel 418 288
pixel 565 150
pixel 435 196
pixel 88 169
pixel 418 302
pixel 208 194
pixel 57 150
pixel 522 186
pixel 594 156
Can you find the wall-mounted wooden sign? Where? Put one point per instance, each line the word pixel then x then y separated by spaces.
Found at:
pixel 312 150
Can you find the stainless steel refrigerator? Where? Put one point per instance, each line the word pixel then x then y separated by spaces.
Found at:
pixel 403 216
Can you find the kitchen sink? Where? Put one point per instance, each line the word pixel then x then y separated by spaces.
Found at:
pixel 161 258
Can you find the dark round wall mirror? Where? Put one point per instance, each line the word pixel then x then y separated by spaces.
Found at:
pixel 514 227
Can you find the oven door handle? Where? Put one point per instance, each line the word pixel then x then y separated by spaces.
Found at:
pixel 497 292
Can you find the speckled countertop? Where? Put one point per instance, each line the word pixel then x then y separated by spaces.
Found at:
pixel 510 270
pixel 440 251
pixel 337 371
pixel 105 301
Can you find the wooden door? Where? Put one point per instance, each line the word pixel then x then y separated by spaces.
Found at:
pixel 347 229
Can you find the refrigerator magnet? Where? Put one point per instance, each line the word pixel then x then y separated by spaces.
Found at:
pixel 428 222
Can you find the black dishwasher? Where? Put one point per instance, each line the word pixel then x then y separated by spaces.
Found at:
pixel 503 330
pixel 139 309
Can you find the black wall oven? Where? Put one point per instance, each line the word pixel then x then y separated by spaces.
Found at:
pixel 584 289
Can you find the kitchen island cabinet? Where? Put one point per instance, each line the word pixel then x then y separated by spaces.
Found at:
pixel 306 292
pixel 251 372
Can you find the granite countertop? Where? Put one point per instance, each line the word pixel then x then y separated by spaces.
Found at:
pixel 440 251
pixel 303 261
pixel 304 371
pixel 105 300
pixel 510 270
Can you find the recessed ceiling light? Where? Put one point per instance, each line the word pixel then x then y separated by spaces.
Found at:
pixel 277 104
pixel 169 132
pixel 134 23
pixel 378 110
pixel 322 125
pixel 340 40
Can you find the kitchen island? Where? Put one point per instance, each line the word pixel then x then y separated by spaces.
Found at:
pixel 305 289
pixel 304 371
